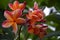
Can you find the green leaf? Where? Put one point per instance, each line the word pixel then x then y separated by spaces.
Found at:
pixel 4 4
pixel 51 3
pixel 52 35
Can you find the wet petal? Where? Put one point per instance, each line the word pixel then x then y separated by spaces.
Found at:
pixel 30 29
pixel 28 16
pixel 36 30
pixel 7 24
pixel 35 5
pixel 38 26
pixel 8 15
pixel 14 26
pixel 35 17
pixel 20 21
pixel 40 12
pixel 11 6
pixel 22 5
pixel 15 5
pixel 32 22
pixel 44 27
pixel 17 13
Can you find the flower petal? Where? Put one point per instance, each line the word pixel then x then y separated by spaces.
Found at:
pixel 17 13
pixel 29 15
pixel 35 5
pixel 7 24
pixel 36 30
pixel 20 21
pixel 11 6
pixel 14 26
pixel 36 18
pixel 42 34
pixel 39 14
pixel 44 27
pixel 22 5
pixel 15 5
pixel 8 15
pixel 39 26
pixel 32 22
pixel 30 30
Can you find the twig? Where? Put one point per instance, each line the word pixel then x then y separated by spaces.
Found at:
pixel 19 31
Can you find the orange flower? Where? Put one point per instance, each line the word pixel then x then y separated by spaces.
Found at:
pixel 17 5
pixel 13 19
pixel 36 14
pixel 39 30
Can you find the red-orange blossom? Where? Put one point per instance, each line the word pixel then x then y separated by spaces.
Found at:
pixel 17 5
pixel 13 18
pixel 34 16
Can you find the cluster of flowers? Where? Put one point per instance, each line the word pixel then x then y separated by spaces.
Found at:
pixel 14 17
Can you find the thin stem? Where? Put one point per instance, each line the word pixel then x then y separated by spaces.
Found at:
pixel 19 32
